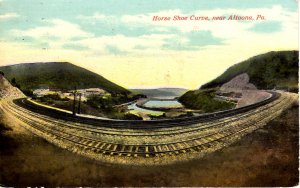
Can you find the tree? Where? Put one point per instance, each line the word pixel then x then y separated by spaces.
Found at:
pixel 13 81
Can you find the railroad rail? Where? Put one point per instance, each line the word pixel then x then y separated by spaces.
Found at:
pixel 141 124
pixel 137 145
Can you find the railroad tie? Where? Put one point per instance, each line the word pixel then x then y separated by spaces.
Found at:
pixel 218 136
pixel 129 151
pixel 192 145
pixel 156 151
pixel 92 146
pixel 147 151
pixel 169 149
pixel 151 151
pixel 198 142
pixel 178 145
pixel 85 142
pixel 106 149
pixel 174 148
pixel 189 146
pixel 72 137
pixel 114 149
pixel 136 151
pixel 80 140
pixel 185 144
pixel 122 150
pixel 91 143
pixel 182 147
pixel 192 149
pixel 102 146
pixel 159 148
pixel 97 145
pixel 213 137
pixel 165 148
pixel 209 139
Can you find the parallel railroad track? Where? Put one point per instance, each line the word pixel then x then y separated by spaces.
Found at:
pixel 125 132
pixel 138 124
pixel 149 143
pixel 198 127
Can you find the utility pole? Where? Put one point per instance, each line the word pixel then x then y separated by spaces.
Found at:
pixel 74 102
pixel 79 103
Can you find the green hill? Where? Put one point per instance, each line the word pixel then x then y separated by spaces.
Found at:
pixel 161 92
pixel 57 75
pixel 204 101
pixel 267 71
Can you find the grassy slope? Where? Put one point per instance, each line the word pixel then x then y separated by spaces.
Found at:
pixel 204 100
pixel 60 75
pixel 266 71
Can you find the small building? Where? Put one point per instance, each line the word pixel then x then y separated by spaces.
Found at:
pixel 41 92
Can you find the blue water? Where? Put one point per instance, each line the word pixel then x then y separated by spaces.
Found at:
pixel 155 104
pixel 134 108
pixel 163 104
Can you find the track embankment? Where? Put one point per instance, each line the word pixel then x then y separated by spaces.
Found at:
pixel 159 146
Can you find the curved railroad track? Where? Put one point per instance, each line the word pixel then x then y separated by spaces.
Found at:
pixel 137 146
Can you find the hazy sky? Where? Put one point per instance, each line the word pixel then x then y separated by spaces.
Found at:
pixel 119 39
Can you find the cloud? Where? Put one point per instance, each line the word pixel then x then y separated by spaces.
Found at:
pixel 73 46
pixel 234 28
pixel 136 33
pixel 147 18
pixel 55 29
pixel 112 43
pixel 118 44
pixel 8 16
pixel 95 16
pixel 267 27
pixel 140 35
pixel 192 41
pixel 114 50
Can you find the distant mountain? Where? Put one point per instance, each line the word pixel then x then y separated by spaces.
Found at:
pixel 57 75
pixel 161 92
pixel 266 71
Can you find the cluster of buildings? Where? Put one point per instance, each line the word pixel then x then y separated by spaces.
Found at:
pixel 85 93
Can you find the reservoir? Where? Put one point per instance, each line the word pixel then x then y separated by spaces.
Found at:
pixel 154 107
pixel 135 109
pixel 157 103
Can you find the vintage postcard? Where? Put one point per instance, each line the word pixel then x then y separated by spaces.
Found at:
pixel 149 93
